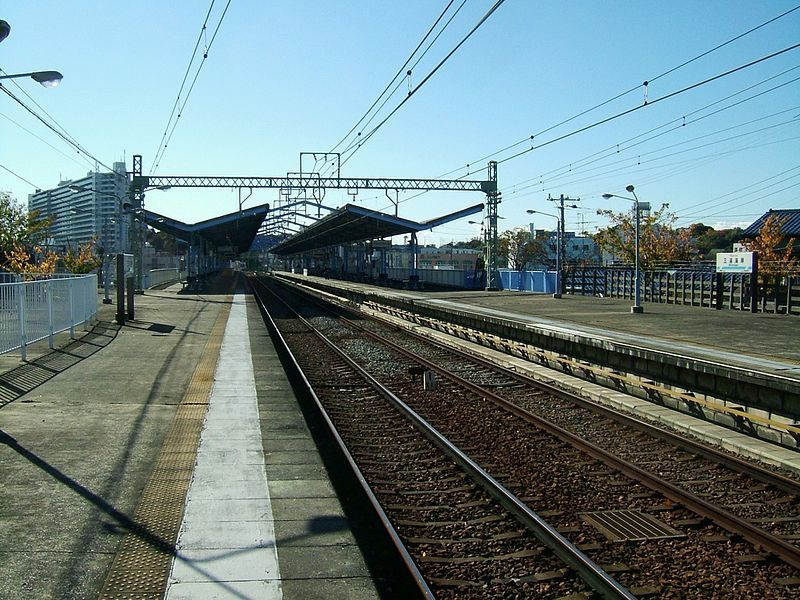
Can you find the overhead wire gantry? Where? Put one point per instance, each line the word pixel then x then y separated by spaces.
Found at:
pixel 311 181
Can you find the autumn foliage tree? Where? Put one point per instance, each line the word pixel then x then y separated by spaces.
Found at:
pixel 659 242
pixel 519 247
pixel 774 250
pixel 40 262
pixel 19 229
pixel 82 260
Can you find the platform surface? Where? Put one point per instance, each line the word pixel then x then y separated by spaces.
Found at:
pixel 750 340
pixel 81 429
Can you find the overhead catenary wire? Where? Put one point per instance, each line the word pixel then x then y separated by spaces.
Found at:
pixel 357 141
pixel 400 71
pixel 740 193
pixel 20 177
pixel 680 166
pixel 46 143
pixel 531 137
pixel 677 123
pixel 650 103
pixel 427 78
pixel 557 179
pixel 619 115
pixel 53 121
pixel 80 149
pixel 178 107
pixel 638 107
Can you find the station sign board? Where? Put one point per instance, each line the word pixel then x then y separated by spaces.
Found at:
pixel 735 262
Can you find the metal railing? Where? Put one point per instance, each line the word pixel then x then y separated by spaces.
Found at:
pixel 156 277
pixel 691 287
pixel 31 311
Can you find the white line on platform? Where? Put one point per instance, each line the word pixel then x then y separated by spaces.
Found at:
pixel 226 546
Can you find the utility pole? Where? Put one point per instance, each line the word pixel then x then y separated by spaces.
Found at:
pixel 492 200
pixel 560 255
pixel 137 225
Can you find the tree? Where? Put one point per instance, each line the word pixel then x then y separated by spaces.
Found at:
pixel 773 257
pixel 519 248
pixel 83 260
pixel 659 241
pixel 19 260
pixel 18 228
pixel 707 239
pixel 475 243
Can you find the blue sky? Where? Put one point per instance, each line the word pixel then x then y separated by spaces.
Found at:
pixel 286 77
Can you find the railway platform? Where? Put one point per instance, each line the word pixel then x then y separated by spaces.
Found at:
pixel 180 425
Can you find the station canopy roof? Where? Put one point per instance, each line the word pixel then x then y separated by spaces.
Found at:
pixel 231 234
pixel 352 223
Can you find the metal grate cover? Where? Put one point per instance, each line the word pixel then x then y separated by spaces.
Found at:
pixel 630 525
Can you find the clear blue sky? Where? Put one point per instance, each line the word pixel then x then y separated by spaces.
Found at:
pixel 285 77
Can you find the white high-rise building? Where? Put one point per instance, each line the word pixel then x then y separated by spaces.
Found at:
pixel 91 208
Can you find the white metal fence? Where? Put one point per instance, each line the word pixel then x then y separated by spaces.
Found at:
pixel 156 277
pixel 31 311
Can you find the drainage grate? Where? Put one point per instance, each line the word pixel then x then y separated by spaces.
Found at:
pixel 630 525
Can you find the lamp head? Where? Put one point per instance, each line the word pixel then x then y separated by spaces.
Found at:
pixel 5 29
pixel 608 196
pixel 629 188
pixel 530 212
pixel 49 79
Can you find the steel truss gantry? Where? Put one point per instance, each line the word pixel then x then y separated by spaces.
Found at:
pixel 141 183
pixel 311 182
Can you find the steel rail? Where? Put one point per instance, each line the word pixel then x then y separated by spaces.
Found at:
pixel 405 557
pixel 787 484
pixel 757 536
pixel 591 573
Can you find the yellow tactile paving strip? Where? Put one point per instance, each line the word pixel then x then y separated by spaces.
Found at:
pixel 141 566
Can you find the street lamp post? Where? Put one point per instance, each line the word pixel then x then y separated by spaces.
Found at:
pixel 637 283
pixel 48 79
pixel 559 238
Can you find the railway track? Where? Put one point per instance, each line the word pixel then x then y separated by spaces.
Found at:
pixel 632 513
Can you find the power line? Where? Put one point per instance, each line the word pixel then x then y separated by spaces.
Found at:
pixel 726 211
pixel 400 70
pixel 69 141
pixel 358 140
pixel 620 95
pixel 680 121
pixel 716 200
pixel 650 103
pixel 18 176
pixel 39 106
pixel 556 181
pixel 426 79
pixel 178 106
pixel 41 139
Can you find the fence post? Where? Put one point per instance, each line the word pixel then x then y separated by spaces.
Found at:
pixel 754 285
pixel 789 295
pixel 48 287
pixel 720 291
pixel 120 264
pixel 23 343
pixel 70 288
